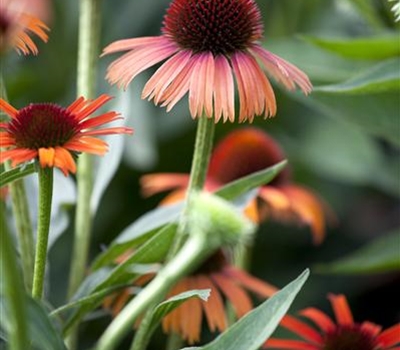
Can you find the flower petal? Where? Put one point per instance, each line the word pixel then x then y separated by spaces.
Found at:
pixel 155 183
pixel 46 157
pixel 64 160
pixel 7 108
pixel 224 90
pixel 18 155
pixel 322 320
pixel 301 329
pixel 289 345
pixel 390 336
pixel 341 309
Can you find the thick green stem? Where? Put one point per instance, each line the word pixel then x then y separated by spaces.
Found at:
pixel 194 251
pixel 14 291
pixel 201 158
pixel 44 214
pixel 89 28
pixel 22 218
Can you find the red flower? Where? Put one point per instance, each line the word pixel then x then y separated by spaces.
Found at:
pixel 208 44
pixel 241 153
pixel 345 334
pixel 54 134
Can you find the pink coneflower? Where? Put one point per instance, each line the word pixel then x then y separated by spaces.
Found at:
pixel 55 135
pixel 345 334
pixel 243 152
pixel 208 44
pixel 17 22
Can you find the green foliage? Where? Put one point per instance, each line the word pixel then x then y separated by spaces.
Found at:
pixel 251 331
pixel 380 255
pixel 6 177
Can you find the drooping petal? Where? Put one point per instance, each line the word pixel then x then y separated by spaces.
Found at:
pixel 155 183
pixel 341 309
pixel 131 44
pixel 7 108
pixel 214 307
pixel 172 321
pixel 236 295
pixel 201 85
pixel 124 69
pixel 390 336
pixel 283 71
pixel 309 209
pixel 254 284
pixel 18 155
pixel 164 75
pixel 46 157
pixel 322 320
pixel 301 329
pixel 64 160
pixel 224 90
pixel 282 344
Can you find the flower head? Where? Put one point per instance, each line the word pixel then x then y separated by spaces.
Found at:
pixel 54 134
pixel 345 334
pixel 243 152
pixel 207 44
pixel 17 22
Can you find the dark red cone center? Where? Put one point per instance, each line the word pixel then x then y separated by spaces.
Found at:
pixel 217 26
pixel 349 338
pixel 43 125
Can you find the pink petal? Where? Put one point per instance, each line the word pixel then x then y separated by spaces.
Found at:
pixel 130 44
pixel 224 90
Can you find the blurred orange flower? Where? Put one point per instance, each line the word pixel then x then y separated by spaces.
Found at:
pixel 18 19
pixel 243 152
pixel 208 43
pixel 224 280
pixel 54 134
pixel 345 334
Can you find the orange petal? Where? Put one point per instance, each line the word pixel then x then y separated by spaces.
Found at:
pixel 155 183
pixel 289 345
pixel 323 321
pixel 301 329
pixel 93 106
pixel 7 108
pixel 64 160
pixel 234 293
pixel 46 157
pixel 341 309
pixel 254 284
pixel 214 307
pixel 390 336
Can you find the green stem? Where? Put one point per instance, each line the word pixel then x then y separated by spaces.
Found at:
pixel 89 28
pixel 8 177
pixel 45 197
pixel 22 218
pixel 142 336
pixel 195 250
pixel 13 288
pixel 201 158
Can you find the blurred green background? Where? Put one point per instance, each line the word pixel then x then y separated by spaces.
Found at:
pixel 343 140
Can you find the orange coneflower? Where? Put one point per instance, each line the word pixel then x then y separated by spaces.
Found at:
pixel 241 153
pixel 208 43
pixel 54 134
pixel 17 22
pixel 345 334
pixel 224 280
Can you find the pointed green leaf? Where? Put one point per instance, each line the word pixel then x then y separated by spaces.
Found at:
pixel 12 175
pixel 383 77
pixel 251 331
pixel 371 47
pixel 381 255
pixel 167 306
pixel 245 184
pixel 42 333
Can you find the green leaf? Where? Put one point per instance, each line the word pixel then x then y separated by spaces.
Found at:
pixel 167 306
pixel 375 47
pixel 381 255
pixel 42 332
pixel 138 232
pixel 12 175
pixel 241 186
pixel 251 331
pixel 383 77
pixel 154 250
